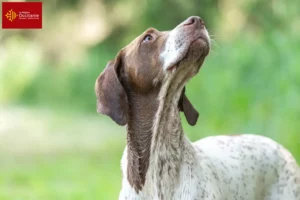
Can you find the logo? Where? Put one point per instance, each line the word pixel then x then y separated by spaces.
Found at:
pixel 11 15
pixel 21 15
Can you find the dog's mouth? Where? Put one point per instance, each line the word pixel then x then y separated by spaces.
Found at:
pixel 204 52
pixel 173 68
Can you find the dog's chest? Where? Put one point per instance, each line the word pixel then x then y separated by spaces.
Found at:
pixel 172 181
pixel 223 168
pixel 185 187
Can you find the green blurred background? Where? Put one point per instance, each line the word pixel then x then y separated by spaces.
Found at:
pixel 53 144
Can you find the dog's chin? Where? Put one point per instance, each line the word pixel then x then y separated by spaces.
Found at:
pixel 199 49
pixel 196 54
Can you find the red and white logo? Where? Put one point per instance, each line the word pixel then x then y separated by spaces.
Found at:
pixel 21 15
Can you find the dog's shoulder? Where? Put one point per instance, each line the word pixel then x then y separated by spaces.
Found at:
pixel 247 153
pixel 243 145
pixel 247 161
pixel 245 149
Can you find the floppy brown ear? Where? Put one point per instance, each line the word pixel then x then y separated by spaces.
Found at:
pixel 111 96
pixel 191 114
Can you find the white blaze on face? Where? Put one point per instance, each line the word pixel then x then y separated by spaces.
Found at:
pixel 176 47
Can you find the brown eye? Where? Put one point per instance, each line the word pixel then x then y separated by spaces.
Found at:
pixel 147 38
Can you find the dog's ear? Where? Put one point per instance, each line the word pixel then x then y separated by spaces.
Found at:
pixel 188 109
pixel 111 96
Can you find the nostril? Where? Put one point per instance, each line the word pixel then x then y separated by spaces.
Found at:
pixel 189 21
pixel 193 20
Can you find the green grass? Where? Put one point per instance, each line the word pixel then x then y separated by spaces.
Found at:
pixel 67 176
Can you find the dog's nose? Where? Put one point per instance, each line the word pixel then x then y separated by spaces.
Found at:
pixel 194 21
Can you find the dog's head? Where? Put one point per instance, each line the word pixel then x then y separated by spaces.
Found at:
pixel 149 62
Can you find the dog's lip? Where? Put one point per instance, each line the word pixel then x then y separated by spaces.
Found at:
pixel 176 65
pixel 172 67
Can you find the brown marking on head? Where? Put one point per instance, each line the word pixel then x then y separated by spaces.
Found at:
pixel 128 88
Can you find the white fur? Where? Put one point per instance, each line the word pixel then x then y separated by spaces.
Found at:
pixel 245 167
pixel 172 52
pixel 177 45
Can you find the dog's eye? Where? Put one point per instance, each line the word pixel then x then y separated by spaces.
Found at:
pixel 147 38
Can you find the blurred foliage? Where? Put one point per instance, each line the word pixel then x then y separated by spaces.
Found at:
pixel 250 82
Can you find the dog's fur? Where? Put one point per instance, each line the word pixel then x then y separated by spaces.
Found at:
pixel 144 88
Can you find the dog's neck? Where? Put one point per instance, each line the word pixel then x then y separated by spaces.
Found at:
pixel 168 143
pixel 155 135
pixel 142 110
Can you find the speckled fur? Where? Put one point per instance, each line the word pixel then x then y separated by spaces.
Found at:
pixel 244 167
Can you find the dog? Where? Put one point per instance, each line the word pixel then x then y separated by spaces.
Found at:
pixel 144 88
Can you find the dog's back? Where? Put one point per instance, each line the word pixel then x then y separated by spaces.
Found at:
pixel 249 167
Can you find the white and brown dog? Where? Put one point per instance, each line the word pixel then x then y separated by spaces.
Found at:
pixel 144 88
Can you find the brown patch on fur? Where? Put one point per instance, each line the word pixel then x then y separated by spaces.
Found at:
pixel 127 91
